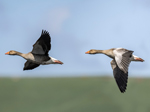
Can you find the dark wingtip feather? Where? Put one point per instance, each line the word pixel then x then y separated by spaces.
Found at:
pixel 121 79
pixel 29 65
pixel 122 83
pixel 44 32
pixel 24 69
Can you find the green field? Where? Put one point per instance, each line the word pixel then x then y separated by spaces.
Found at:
pixel 97 94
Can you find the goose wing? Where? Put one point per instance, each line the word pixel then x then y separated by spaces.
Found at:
pixel 120 77
pixel 122 58
pixel 29 65
pixel 42 45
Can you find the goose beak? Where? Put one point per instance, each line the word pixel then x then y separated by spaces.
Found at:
pixel 139 59
pixel 87 52
pixel 7 53
pixel 58 62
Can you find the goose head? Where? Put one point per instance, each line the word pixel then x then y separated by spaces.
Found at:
pixel 12 52
pixel 136 58
pixel 92 51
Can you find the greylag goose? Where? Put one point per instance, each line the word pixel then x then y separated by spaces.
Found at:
pixel 120 63
pixel 39 54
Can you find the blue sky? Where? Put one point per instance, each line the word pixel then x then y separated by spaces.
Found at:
pixel 75 27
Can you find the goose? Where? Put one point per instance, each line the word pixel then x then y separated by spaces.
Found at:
pixel 120 63
pixel 39 54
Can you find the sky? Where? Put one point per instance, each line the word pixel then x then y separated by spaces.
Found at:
pixel 75 26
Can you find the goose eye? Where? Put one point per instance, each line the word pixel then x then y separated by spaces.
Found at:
pixel 130 56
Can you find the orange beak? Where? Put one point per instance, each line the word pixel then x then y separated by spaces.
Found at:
pixel 7 53
pixel 87 52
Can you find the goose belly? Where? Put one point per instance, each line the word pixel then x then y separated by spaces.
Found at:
pixel 43 60
pixel 47 62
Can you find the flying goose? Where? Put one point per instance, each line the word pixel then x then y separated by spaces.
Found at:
pixel 120 63
pixel 39 54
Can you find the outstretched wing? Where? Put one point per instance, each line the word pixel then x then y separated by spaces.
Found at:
pixel 42 45
pixel 29 65
pixel 120 77
pixel 122 58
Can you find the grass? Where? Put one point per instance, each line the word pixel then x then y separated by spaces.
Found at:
pixel 98 94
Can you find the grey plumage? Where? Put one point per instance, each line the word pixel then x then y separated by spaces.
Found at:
pixel 120 63
pixel 29 65
pixel 121 78
pixel 39 54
